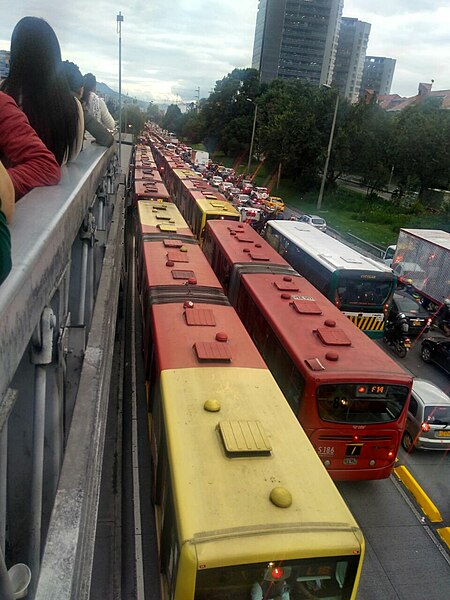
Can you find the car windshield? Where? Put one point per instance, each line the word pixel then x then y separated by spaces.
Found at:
pixel 361 403
pixel 437 415
pixel 317 221
pixel 406 304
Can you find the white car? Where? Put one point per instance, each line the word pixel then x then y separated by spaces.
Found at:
pixel 216 181
pixel 249 213
pixel 315 221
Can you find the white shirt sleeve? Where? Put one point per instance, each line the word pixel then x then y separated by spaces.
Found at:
pixel 105 116
pixel 73 152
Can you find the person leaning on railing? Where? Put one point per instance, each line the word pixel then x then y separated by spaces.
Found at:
pixel 75 80
pixel 37 83
pixel 26 163
pixel 29 162
pixel 6 207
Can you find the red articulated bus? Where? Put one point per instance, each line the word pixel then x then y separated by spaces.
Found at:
pixel 350 397
pixel 174 270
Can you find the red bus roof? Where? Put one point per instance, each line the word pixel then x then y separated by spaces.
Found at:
pixel 147 173
pixel 204 335
pixel 151 190
pixel 320 338
pixel 240 243
pixel 317 335
pixel 168 263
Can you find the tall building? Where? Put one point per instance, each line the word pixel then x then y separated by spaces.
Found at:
pixel 297 39
pixel 4 64
pixel 378 74
pixel 350 57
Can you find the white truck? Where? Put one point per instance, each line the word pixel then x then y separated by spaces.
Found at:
pixel 200 157
pixel 422 259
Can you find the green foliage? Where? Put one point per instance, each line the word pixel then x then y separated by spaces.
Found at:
pixel 409 149
pixel 173 119
pixel 133 118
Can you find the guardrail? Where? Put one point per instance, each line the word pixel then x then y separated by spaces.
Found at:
pixel 377 251
pixel 57 321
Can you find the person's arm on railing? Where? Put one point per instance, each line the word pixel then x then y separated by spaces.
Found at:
pixel 29 162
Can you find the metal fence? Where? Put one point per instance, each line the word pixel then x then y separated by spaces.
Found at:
pixel 57 321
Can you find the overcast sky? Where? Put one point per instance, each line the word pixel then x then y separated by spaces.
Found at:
pixel 170 48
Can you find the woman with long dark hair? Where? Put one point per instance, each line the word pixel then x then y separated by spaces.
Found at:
pixel 38 84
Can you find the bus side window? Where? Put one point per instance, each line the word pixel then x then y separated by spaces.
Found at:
pixel 170 551
pixel 285 372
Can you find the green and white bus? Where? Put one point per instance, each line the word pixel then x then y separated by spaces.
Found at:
pixel 359 286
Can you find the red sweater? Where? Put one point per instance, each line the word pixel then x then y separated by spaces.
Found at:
pixel 28 161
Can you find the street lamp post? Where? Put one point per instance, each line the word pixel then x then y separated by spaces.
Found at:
pixel 253 136
pixel 119 31
pixel 330 143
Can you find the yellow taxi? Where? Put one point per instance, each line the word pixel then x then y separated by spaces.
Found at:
pixel 274 203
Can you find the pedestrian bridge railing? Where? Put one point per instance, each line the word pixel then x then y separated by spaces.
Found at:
pixel 58 310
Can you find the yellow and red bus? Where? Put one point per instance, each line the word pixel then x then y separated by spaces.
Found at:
pixel 242 501
pixel 350 397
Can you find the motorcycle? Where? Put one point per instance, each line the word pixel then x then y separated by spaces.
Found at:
pixel 395 336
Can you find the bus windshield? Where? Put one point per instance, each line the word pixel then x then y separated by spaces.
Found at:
pixel 361 403
pixel 363 292
pixel 213 216
pixel 330 577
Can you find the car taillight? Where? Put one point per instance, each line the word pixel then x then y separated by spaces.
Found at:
pixel 425 427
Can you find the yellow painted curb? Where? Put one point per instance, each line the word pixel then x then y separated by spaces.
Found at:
pixel 428 507
pixel 444 532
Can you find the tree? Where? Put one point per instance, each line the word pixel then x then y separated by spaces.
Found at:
pixel 172 119
pixel 154 114
pixel 421 146
pixel 370 140
pixel 133 118
pixel 227 115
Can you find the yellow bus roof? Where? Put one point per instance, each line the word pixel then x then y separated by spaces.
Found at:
pixel 217 206
pixel 154 213
pixel 222 498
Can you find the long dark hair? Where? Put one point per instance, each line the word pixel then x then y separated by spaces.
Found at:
pixel 38 84
pixel 90 83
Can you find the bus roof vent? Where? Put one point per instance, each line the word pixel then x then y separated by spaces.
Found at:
pixel 166 227
pixel 261 257
pixel 314 364
pixel 172 243
pixel 244 239
pixel 244 438
pixel 200 316
pixel 212 352
pixel 333 337
pixel 352 260
pixel 163 217
pixel 306 305
pixel 218 204
pixel 180 274
pixel 159 208
pixel 177 256
pixel 286 286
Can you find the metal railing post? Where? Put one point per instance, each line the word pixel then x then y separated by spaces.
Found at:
pixel 41 355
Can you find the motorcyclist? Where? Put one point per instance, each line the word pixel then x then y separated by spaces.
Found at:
pixel 398 328
pixel 443 316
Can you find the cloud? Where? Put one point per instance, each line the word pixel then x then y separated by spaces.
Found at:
pixel 414 32
pixel 170 48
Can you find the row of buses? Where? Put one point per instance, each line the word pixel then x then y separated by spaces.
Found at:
pixel 350 397
pixel 244 507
